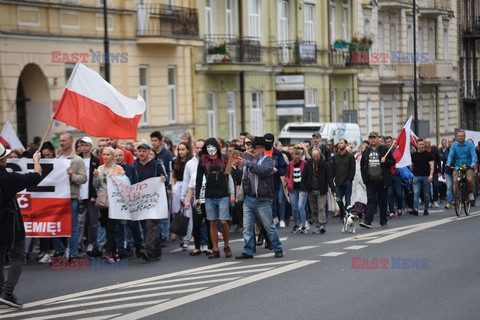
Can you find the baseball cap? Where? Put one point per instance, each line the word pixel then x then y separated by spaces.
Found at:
pixel 87 140
pixel 373 134
pixel 144 146
pixel 269 138
pixel 4 151
pixel 316 134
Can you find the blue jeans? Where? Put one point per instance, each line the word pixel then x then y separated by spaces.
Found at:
pixel 298 206
pixel 279 204
pixel 395 191
pixel 164 228
pixel 344 191
pixel 218 208
pixel 449 181
pixel 73 241
pixel 421 184
pixel 253 208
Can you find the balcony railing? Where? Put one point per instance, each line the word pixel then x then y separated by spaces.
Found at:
pixel 435 71
pixel 348 58
pixel 159 20
pixel 470 90
pixel 232 49
pixel 297 53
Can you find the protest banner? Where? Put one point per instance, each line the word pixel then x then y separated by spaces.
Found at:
pixel 144 200
pixel 46 208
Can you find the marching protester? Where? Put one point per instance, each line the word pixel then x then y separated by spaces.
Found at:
pixel 343 167
pixel 100 176
pixel 423 169
pixel 12 231
pixel 77 176
pixel 298 198
pixel 447 174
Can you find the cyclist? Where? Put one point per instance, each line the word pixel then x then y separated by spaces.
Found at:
pixel 464 154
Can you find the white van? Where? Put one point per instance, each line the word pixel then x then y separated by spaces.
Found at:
pixel 294 132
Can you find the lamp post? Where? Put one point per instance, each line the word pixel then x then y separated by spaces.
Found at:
pixel 106 53
pixel 415 92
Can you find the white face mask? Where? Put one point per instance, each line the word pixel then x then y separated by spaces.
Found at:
pixel 212 150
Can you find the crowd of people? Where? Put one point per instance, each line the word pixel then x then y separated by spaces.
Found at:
pixel 253 185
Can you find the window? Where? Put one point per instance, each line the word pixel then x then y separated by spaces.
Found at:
pixel 393 37
pixel 381 38
pixel 211 115
pixel 333 21
pixel 68 71
pixel 420 41
pixel 345 99
pixel 309 16
pixel 345 24
pixel 369 116
pixel 232 130
pixel 394 116
pixel 334 106
pixel 256 114
pixel 310 97
pixel 446 52
pixel 282 30
pixel 382 117
pixel 431 44
pixel 410 39
pixel 254 11
pixel 367 28
pixel 209 18
pixel 229 19
pixel 172 95
pixel 143 88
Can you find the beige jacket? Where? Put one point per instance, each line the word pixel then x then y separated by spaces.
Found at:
pixel 79 175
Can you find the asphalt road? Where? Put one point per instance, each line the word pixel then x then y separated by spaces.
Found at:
pixel 421 267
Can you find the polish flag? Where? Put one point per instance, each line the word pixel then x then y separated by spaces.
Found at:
pixel 402 153
pixel 9 137
pixel 93 106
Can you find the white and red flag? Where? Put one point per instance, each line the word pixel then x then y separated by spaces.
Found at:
pixel 402 154
pixel 9 137
pixel 93 106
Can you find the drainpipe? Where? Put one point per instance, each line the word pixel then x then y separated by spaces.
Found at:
pixel 437 113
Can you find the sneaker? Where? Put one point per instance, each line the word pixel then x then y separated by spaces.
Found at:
pixel 10 300
pixel 184 247
pixel 46 259
pixel 307 225
pixel 448 205
pixel 204 247
pixel 275 221
pixel 399 212
pixel 425 212
pixel 316 230
pixel 435 204
pixel 40 255
pixel 414 212
pixel 279 254
pixel 365 225
pixel 391 215
pixel 471 197
pixel 228 252
pixel 304 230
pixel 243 256
pixel 282 224
pixel 295 229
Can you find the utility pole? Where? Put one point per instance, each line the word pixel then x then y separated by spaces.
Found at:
pixel 415 92
pixel 106 54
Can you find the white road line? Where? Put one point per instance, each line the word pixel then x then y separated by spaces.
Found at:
pixel 110 316
pixel 303 248
pixel 364 236
pixel 126 284
pixel 220 244
pixel 190 248
pixel 228 269
pixel 186 284
pixel 86 312
pixel 332 254
pixel 149 311
pixel 129 292
pixel 354 247
pixel 265 255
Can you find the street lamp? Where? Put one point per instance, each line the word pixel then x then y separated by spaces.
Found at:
pixel 415 92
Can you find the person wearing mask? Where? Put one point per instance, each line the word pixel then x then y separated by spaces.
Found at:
pixel 12 231
pixel 343 167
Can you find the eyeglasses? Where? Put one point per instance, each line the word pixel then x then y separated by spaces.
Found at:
pixel 249 143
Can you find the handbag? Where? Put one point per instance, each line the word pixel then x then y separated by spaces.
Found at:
pixel 102 200
pixel 179 224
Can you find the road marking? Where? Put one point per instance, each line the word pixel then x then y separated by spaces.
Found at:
pixel 332 254
pixel 179 285
pixel 149 311
pixel 265 255
pixel 228 269
pixel 189 248
pixel 367 235
pixel 354 247
pixel 110 316
pixel 303 248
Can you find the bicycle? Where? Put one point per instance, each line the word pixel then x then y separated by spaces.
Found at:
pixel 461 192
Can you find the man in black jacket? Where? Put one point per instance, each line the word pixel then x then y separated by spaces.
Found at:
pixel 12 231
pixel 375 167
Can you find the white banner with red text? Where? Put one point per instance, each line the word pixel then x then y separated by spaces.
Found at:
pixel 144 200
pixel 46 208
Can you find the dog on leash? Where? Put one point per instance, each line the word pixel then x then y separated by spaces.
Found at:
pixel 351 220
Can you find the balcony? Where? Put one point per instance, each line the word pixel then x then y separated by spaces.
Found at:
pixel 159 20
pixel 395 72
pixel 232 50
pixel 435 71
pixel 471 27
pixel 350 58
pixel 470 90
pixel 297 53
pixel 394 5
pixel 434 8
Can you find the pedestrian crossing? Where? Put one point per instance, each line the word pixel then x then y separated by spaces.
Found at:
pixel 146 297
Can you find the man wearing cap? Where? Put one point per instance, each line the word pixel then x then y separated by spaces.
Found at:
pixel 77 176
pixel 87 209
pixel 258 191
pixel 12 231
pixel 317 142
pixel 375 167
pixel 147 168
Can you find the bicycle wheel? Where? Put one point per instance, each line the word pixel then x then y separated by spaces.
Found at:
pixel 458 200
pixel 467 206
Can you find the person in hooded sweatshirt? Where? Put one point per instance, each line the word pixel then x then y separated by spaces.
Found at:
pixel 219 193
pixel 316 178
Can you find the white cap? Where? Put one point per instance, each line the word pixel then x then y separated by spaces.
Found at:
pixel 4 151
pixel 87 140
